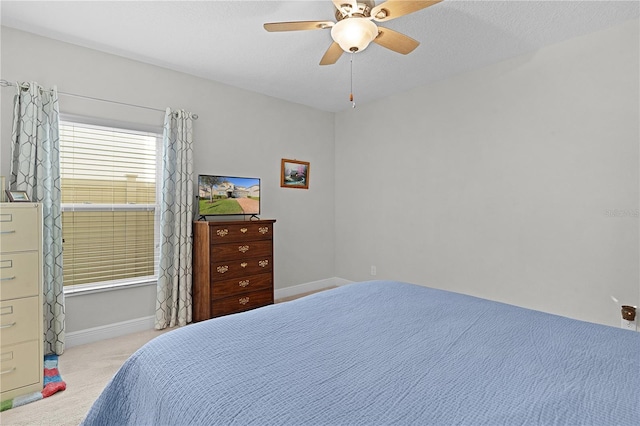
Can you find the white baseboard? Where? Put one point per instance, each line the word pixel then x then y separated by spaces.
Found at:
pixel 109 331
pixel 118 329
pixel 310 286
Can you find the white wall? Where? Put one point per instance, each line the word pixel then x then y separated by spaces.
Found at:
pixel 238 133
pixel 498 182
pixel 494 183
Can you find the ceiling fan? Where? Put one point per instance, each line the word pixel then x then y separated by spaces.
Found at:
pixel 355 29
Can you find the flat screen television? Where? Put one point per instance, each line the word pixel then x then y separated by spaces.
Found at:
pixel 228 195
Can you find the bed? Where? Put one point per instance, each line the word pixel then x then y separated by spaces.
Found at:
pixel 380 353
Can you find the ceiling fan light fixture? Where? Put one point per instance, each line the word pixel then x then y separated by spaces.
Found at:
pixel 354 34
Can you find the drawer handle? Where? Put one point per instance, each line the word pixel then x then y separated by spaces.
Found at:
pixel 8 325
pixel 263 263
pixel 244 264
pixel 8 278
pixel 8 232
pixel 243 249
pixel 243 283
pixel 243 300
pixel 222 269
pixel 222 232
pixel 243 230
pixel 263 230
pixel 11 370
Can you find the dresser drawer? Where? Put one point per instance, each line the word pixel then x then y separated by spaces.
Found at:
pixel 19 229
pixel 241 249
pixel 240 285
pixel 19 275
pixel 240 268
pixel 241 302
pixel 20 365
pixel 246 231
pixel 19 320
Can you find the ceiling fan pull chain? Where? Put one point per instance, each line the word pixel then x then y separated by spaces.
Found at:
pixel 353 104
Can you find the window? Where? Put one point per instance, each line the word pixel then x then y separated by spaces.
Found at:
pixel 109 210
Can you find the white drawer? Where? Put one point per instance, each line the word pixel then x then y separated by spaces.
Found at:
pixel 20 366
pixel 19 275
pixel 19 229
pixel 19 320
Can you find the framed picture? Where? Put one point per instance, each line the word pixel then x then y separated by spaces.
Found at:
pixel 17 196
pixel 294 174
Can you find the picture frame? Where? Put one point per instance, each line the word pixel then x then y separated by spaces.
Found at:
pixel 294 174
pixel 17 196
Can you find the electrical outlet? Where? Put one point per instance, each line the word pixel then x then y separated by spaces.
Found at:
pixel 628 325
pixel 373 270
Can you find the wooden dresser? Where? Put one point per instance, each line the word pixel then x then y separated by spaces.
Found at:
pixel 21 336
pixel 232 267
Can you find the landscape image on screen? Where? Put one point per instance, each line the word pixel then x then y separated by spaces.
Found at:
pixel 227 195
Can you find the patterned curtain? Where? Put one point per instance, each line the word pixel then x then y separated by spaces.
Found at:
pixel 35 168
pixel 173 304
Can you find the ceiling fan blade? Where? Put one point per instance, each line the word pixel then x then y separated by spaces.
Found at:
pixel 332 54
pixel 298 26
pixel 395 41
pixel 392 9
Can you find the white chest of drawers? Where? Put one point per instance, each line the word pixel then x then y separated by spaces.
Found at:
pixel 21 334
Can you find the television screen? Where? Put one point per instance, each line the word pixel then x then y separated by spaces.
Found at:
pixel 228 195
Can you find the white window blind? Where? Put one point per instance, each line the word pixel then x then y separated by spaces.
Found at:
pixel 109 214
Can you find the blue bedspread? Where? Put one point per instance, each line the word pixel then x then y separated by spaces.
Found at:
pixel 379 353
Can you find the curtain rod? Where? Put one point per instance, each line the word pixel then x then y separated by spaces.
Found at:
pixel 5 83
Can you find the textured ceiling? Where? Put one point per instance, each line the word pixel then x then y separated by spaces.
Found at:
pixel 225 41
